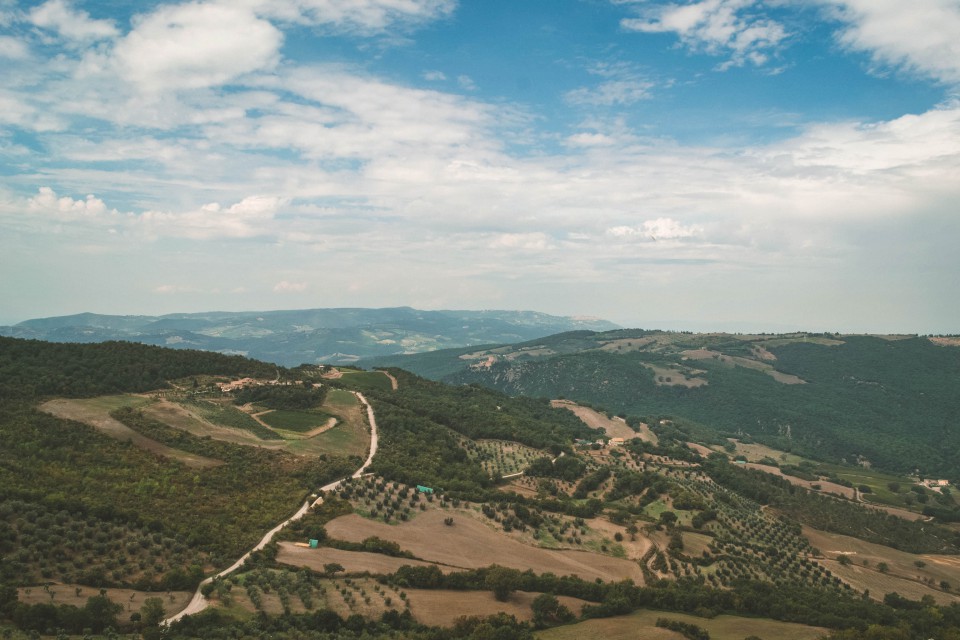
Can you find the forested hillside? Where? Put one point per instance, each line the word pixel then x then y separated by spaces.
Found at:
pixel 59 477
pixel 31 368
pixel 892 402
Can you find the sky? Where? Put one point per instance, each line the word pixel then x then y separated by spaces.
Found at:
pixel 737 165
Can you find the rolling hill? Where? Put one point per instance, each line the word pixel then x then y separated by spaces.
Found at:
pixel 890 401
pixel 290 338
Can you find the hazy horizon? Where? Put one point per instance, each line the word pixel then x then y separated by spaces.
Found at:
pixel 688 165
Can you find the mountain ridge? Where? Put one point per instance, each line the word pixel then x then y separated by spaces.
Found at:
pixel 321 335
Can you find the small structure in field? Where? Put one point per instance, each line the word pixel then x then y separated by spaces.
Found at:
pixel 423 489
pixel 314 543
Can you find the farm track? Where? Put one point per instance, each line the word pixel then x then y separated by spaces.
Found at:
pixel 199 602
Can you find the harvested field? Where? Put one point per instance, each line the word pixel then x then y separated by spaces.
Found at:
pixel 621 345
pixel 613 427
pixel 952 341
pixel 470 544
pixel 755 452
pixel 825 486
pixel 641 626
pixel 442 608
pixel 352 561
pixel 703 450
pixel 96 413
pixel 76 595
pixel 748 363
pixel 902 576
pixel 673 377
pixel 635 549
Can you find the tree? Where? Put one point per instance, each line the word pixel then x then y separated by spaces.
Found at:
pixel 332 567
pixel 547 610
pixel 502 581
pixel 152 612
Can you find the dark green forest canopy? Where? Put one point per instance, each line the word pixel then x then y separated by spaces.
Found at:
pixel 895 403
pixel 30 368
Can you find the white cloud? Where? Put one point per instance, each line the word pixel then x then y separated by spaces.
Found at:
pixel 922 37
pixel 658 229
pixel 590 140
pixel 521 241
pixel 921 144
pixel 718 27
pixel 70 23
pixel 251 217
pixel 434 76
pixel 289 287
pixel 196 45
pixel 610 93
pixel 169 289
pixel 355 16
pixel 13 49
pixel 47 201
pixel 622 85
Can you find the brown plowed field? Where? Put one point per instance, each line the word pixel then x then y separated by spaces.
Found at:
pixel 614 427
pixel 471 544
pixel 351 561
pixel 902 576
pixel 442 608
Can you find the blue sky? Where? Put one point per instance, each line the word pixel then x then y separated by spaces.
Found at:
pixel 712 164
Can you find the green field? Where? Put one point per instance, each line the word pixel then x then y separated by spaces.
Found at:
pixel 366 380
pixel 229 416
pixel 642 626
pixel 297 421
pixel 342 398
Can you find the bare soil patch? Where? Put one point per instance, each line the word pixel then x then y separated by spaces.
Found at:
pixel 471 544
pixel 779 376
pixel 902 575
pixel 442 608
pixel 825 486
pixel 703 450
pixel 352 561
pixel 641 626
pixel 614 427
pixel 946 341
pixel 669 377
pixel 95 413
pixel 627 344
pixel 635 549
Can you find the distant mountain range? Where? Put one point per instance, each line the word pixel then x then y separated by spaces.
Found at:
pixel 290 338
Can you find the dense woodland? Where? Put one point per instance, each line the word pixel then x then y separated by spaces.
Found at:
pixel 893 402
pixel 30 368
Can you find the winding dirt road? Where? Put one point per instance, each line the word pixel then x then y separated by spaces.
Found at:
pixel 199 602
